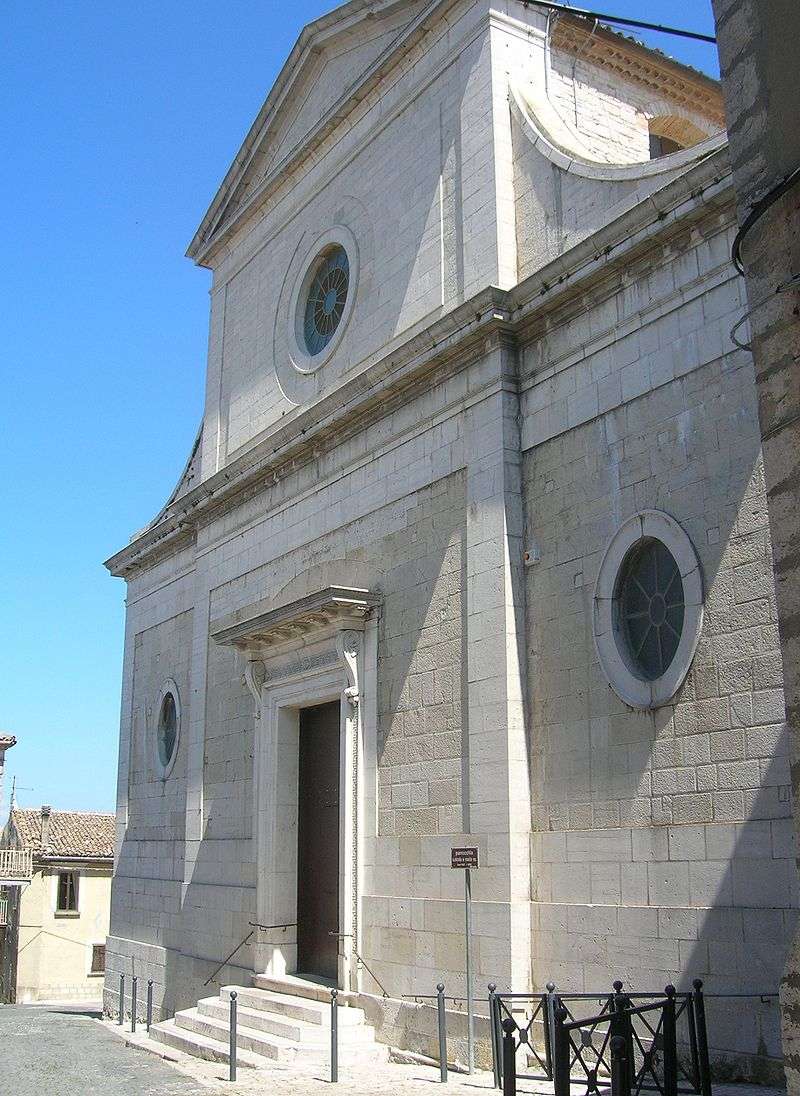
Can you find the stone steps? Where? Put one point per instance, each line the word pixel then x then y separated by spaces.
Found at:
pixel 295 1008
pixel 169 1034
pixel 298 1031
pixel 276 1022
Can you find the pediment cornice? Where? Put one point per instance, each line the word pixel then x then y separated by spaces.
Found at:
pixel 224 214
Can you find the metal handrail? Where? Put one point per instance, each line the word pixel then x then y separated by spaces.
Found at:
pixel 253 926
pixel 361 961
pixel 228 958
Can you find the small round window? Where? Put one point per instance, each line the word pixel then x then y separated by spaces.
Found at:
pixel 326 298
pixel 647 611
pixel 650 608
pixel 167 729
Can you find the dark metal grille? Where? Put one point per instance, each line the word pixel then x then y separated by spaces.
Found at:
pixel 554 1039
pixel 650 603
pixel 327 296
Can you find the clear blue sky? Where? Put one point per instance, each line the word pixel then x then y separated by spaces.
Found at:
pixel 118 123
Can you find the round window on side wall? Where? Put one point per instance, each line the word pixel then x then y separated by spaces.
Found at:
pixel 648 609
pixel 167 728
pixel 325 298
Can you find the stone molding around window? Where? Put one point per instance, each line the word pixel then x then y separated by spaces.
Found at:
pixel 338 236
pixel 610 642
pixel 165 768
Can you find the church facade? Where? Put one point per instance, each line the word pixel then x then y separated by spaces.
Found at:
pixel 472 547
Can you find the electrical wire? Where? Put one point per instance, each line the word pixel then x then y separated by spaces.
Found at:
pixel 623 22
pixel 784 287
pixel 757 212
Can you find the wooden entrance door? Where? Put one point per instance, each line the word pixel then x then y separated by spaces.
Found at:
pixel 318 842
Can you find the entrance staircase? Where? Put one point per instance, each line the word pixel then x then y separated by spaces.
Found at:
pixel 278 1019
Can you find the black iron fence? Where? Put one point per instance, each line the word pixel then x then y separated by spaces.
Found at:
pixel 643 1042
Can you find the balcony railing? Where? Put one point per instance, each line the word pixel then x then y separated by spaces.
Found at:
pixel 16 865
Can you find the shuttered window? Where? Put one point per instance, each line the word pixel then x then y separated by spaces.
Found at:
pixel 98 958
pixel 67 901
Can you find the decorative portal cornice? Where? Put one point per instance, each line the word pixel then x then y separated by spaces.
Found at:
pixel 341 607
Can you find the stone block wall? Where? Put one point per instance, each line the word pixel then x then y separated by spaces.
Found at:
pixel 662 846
pixel 411 176
pixel 611 113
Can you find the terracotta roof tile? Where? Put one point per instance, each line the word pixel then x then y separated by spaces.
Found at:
pixel 72 833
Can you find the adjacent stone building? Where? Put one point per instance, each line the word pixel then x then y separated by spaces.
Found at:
pixel 472 546
pixel 759 73
pixel 56 912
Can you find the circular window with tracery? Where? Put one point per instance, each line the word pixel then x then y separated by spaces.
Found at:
pixel 326 298
pixel 168 727
pixel 648 609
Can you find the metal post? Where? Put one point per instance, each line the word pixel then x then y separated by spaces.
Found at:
pixel 619 1031
pixel 232 1043
pixel 549 1027
pixel 619 1065
pixel 624 1027
pixel 149 1004
pixel 470 1008
pixel 493 1033
pixel 702 1037
pixel 509 1058
pixel 134 984
pixel 561 1054
pixel 122 999
pixel 670 1044
pixel 334 1036
pixel 442 1032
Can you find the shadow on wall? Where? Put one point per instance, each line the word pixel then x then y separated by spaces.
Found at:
pixel 663 848
pixel 416 260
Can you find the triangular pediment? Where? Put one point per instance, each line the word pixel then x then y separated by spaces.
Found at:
pixel 327 69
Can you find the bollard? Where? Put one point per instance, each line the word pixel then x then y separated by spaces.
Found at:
pixel 122 999
pixel 232 1044
pixel 702 1037
pixel 442 1032
pixel 334 1036
pixel 134 983
pixel 670 1044
pixel 493 1033
pixel 509 1058
pixel 149 1004
pixel 561 1054
pixel 619 1065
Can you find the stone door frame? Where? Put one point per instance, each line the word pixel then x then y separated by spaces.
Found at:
pixel 319 649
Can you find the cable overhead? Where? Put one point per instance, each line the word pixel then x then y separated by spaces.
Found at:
pixel 622 22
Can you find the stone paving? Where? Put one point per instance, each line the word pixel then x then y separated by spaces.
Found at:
pixel 59 1050
pixel 390 1079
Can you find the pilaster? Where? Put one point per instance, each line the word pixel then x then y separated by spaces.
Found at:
pixel 498 790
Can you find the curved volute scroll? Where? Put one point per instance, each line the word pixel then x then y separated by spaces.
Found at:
pixel 255 674
pixel 349 645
